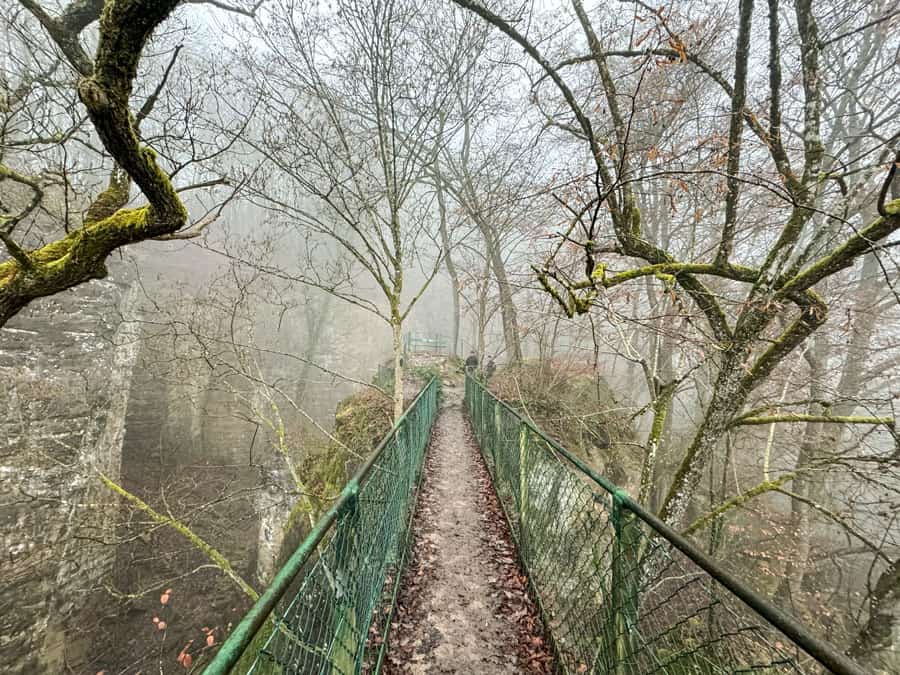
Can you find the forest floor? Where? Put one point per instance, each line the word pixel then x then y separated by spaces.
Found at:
pixel 464 605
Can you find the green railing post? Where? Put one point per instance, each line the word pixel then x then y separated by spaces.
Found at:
pixel 481 416
pixel 495 437
pixel 523 490
pixel 346 631
pixel 624 585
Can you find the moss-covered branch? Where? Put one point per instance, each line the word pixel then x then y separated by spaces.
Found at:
pixel 799 417
pixel 72 260
pixel 843 256
pixel 729 271
pixel 738 501
pixel 105 89
pixel 196 541
pixel 125 27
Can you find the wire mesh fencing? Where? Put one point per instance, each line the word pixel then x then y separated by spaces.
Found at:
pixel 329 607
pixel 434 343
pixel 620 592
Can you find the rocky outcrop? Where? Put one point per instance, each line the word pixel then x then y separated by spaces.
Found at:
pixel 65 365
pixel 90 389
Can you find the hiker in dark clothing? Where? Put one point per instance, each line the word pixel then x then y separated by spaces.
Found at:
pixel 489 369
pixel 471 364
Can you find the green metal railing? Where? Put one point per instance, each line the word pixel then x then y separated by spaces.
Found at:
pixel 620 591
pixel 329 608
pixel 416 342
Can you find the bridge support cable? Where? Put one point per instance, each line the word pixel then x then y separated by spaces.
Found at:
pixel 620 591
pixel 328 608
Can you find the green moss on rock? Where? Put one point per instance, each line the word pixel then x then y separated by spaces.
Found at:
pixel 581 412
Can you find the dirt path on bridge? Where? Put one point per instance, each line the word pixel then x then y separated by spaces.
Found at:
pixel 463 605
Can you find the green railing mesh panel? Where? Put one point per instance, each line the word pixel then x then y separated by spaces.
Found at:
pixel 616 597
pixel 416 342
pixel 333 614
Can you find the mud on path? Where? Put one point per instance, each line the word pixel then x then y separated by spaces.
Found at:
pixel 463 605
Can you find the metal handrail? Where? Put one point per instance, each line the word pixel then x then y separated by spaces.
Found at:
pixel 240 638
pixel 823 652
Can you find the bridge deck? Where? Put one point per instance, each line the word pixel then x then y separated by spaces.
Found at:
pixel 463 605
pixel 622 592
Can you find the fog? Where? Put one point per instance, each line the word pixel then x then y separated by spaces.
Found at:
pixel 223 225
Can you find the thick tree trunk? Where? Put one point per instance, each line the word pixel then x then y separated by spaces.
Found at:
pixel 507 307
pixel 870 646
pixel 727 399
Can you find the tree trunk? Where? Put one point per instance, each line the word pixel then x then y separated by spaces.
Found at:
pixel 727 399
pixel 507 307
pixel 451 267
pixel 397 329
pixel 870 645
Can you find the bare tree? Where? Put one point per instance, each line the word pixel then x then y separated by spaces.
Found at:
pixel 722 249
pixel 350 137
pixel 779 284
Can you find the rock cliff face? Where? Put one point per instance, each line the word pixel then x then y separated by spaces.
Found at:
pixel 186 452
pixel 87 390
pixel 65 365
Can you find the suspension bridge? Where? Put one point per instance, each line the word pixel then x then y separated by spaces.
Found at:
pixel 619 591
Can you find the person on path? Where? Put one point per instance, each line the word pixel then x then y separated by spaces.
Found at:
pixel 489 369
pixel 471 363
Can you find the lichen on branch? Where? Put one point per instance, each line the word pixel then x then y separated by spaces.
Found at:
pixel 105 88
